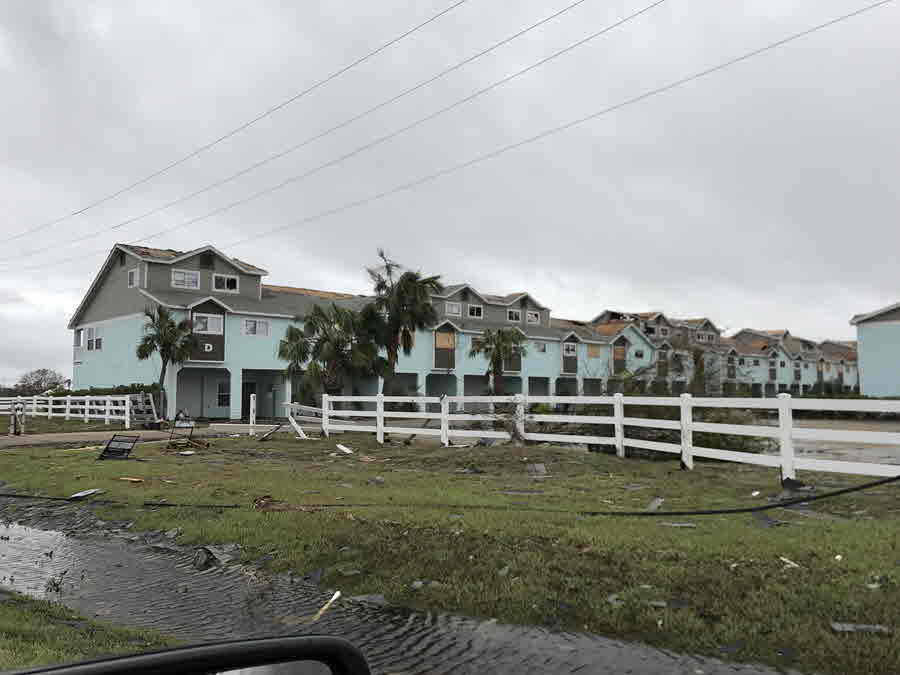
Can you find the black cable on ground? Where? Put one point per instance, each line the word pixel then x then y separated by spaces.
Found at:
pixel 500 507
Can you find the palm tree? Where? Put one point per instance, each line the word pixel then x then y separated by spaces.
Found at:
pixel 402 306
pixel 173 341
pixel 498 347
pixel 334 344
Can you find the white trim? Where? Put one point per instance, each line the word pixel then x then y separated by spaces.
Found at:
pixel 447 311
pixel 859 318
pixel 237 283
pixel 434 349
pixel 210 298
pixel 455 327
pixel 220 317
pixel 528 322
pixel 185 272
pixel 490 302
pixel 266 314
pixel 110 320
pixel 513 309
pixel 158 301
pixel 268 323
pixel 137 277
pixel 146 278
pixel 469 307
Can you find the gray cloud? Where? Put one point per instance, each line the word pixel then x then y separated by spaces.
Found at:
pixel 761 196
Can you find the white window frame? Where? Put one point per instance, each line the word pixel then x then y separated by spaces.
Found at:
pixel 196 273
pixel 78 339
pixel 218 317
pixel 480 311
pixel 532 317
pixel 540 346
pixel 573 346
pixel 93 339
pixel 237 283
pixel 450 306
pixel 137 277
pixel 256 323
pixel 509 311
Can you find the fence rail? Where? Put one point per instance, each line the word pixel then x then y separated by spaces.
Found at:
pixel 515 417
pixel 107 408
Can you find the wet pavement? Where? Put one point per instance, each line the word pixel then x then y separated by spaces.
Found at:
pixel 104 570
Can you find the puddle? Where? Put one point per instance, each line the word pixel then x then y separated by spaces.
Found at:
pixel 106 576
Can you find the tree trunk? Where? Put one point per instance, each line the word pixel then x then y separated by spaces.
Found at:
pixel 160 409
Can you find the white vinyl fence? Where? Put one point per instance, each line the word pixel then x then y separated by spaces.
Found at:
pixel 107 408
pixel 376 421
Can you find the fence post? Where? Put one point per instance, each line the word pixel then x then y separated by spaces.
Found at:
pixel 619 414
pixel 34 405
pixel 107 412
pixel 49 407
pixel 687 432
pixel 379 418
pixel 786 436
pixel 68 407
pixel 85 401
pixel 252 413
pixel 326 404
pixel 520 416
pixel 128 412
pixel 445 420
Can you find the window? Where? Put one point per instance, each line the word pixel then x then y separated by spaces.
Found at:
pixel 225 283
pixel 650 330
pixel 782 364
pixel 540 347
pixel 476 311
pixel 223 394
pixel 533 317
pixel 730 360
pixel 208 324
pixel 570 348
pixel 453 308
pixel 445 340
pixel 740 362
pixel 755 362
pixel 664 332
pixel 805 366
pixel 593 351
pixel 94 340
pixel 639 354
pixel 185 279
pixel 771 364
pixel 133 278
pixel 514 315
pixel 79 337
pixel 256 327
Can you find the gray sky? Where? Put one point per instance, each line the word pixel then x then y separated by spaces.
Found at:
pixel 762 196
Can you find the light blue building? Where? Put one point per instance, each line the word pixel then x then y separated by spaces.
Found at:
pixel 878 343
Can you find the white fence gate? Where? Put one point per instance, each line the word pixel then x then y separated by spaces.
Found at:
pixel 107 408
pixel 785 432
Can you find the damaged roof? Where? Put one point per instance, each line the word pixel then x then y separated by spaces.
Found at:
pixel 169 255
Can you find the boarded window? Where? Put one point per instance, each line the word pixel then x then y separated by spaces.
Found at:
pixel 445 340
pixel 619 352
pixel 533 317
pixel 593 351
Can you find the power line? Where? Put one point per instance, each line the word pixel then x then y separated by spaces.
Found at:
pixel 541 135
pixel 297 146
pixel 238 129
pixel 394 134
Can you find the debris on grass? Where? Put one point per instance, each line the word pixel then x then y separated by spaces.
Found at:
pixel 503 571
pixel 615 600
pixel 788 563
pixel 187 453
pixel 377 480
pixel 318 615
pixel 204 558
pixel 469 469
pixel 755 493
pixel 173 533
pixel 687 525
pixel 655 503
pixel 838 557
pixel 631 487
pixel 839 627
pixel 129 479
pixel 87 493
pixel 344 449
pixel 367 459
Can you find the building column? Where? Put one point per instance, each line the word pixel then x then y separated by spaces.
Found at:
pixel 552 386
pixel 525 386
pixel 460 390
pixel 171 386
pixel 236 381
pixel 418 389
pixel 288 395
pixel 579 383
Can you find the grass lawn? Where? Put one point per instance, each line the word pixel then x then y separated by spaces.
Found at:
pixel 530 559
pixel 40 633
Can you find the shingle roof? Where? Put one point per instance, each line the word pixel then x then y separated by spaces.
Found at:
pixel 168 254
pixel 282 303
pixel 835 351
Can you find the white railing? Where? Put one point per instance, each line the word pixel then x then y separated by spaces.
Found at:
pixel 107 408
pixel 376 421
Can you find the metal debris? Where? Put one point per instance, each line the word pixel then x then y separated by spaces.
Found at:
pixel 689 525
pixel 838 627
pixel 344 449
pixel 655 503
pixel 86 493
pixel 187 453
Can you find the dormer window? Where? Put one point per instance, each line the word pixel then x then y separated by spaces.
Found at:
pixel 664 332
pixel 476 312
pixel 185 279
pixel 650 330
pixel 533 317
pixel 514 315
pixel 453 308
pixel 225 283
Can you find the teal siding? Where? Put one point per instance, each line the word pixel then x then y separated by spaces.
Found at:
pixel 116 363
pixel 879 358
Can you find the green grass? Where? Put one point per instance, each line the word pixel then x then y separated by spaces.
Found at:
pixel 562 567
pixel 40 633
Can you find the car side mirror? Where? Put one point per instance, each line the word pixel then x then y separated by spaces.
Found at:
pixel 296 655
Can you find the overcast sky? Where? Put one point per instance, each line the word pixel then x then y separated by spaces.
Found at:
pixel 761 196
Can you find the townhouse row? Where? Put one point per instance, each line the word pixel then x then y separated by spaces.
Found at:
pixel 239 322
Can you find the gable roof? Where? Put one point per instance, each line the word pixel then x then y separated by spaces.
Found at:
pixel 836 351
pixel 489 298
pixel 859 318
pixel 168 256
pixel 697 322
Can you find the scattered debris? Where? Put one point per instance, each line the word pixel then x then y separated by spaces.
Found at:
pixel 537 471
pixel 173 533
pixel 344 449
pixel 615 600
pixel 417 585
pixel 377 480
pixel 318 615
pixel 838 557
pixel 460 445
pixel 367 459
pixel 131 480
pixel 187 453
pixel 755 493
pixel 485 442
pixel 655 503
pixel 86 493
pixel 631 487
pixel 504 571
pixel 838 627
pixel 469 469
pixel 455 516
pixel 204 559
pixel 346 485
pixel 876 582
pixel 788 563
pixel 691 525
pixel 166 480
pixel 796 485
pixel 271 431
pixel 268 503
pixel 372 599
pixel 658 604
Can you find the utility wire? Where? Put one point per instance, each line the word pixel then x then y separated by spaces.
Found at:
pixel 398 132
pixel 530 139
pixel 238 129
pixel 305 142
